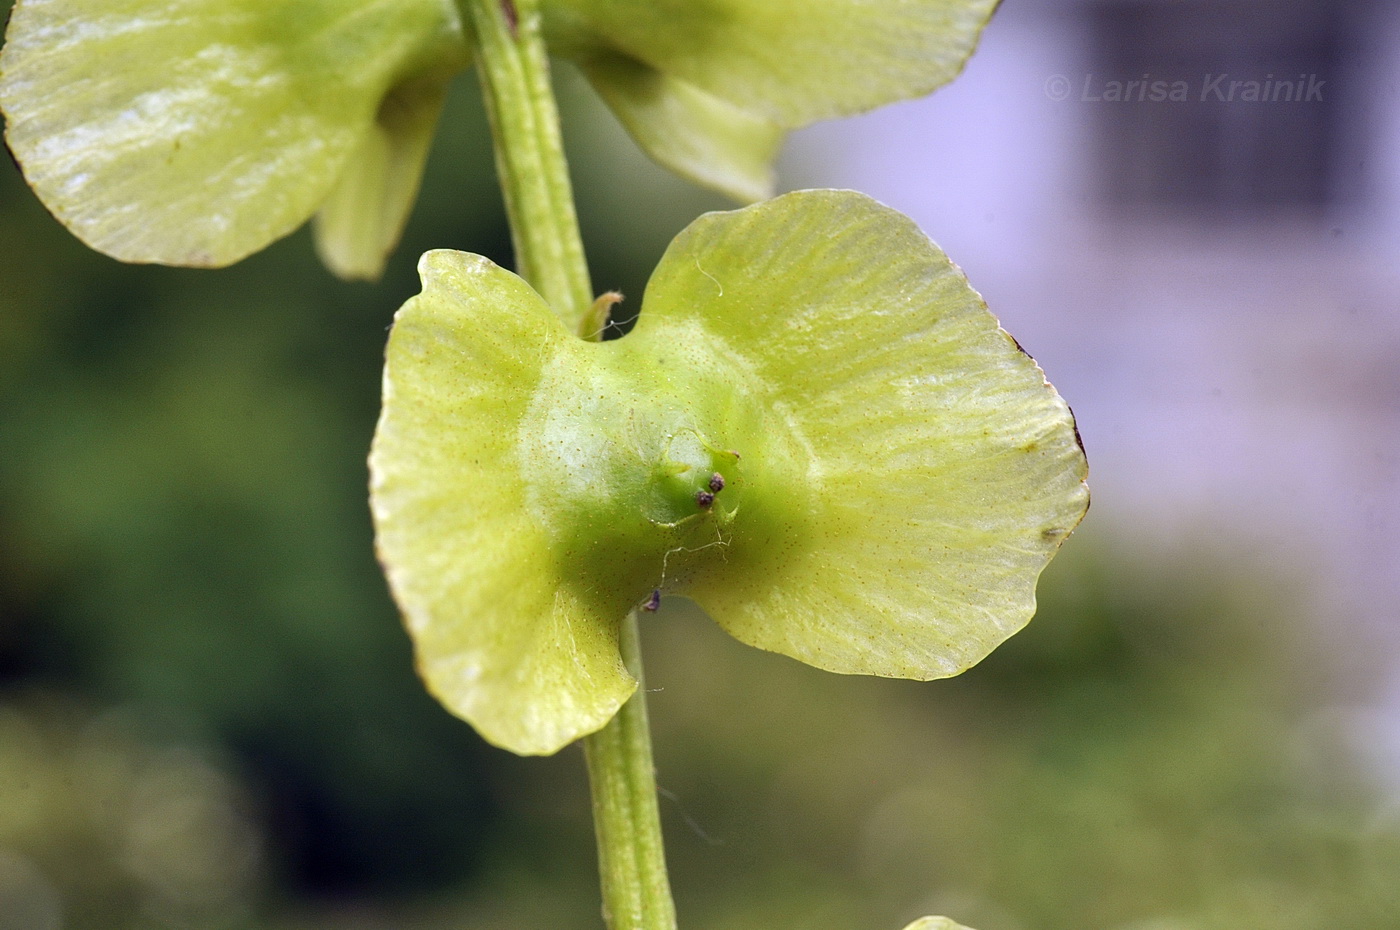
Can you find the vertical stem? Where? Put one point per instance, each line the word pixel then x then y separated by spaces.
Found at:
pixel 632 861
pixel 514 72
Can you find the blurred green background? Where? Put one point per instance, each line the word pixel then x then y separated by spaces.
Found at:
pixel 209 716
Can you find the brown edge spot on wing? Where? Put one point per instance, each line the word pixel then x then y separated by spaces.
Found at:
pixel 1015 342
pixel 1078 439
pixel 1084 454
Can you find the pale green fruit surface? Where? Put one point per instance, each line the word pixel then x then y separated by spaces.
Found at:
pixel 935 923
pixel 195 132
pixel 700 136
pixel 942 471
pixel 669 68
pixel 362 218
pixel 816 430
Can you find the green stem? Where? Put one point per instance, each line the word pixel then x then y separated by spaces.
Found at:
pixel 636 891
pixel 514 72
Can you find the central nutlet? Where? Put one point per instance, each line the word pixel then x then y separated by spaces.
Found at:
pixel 689 475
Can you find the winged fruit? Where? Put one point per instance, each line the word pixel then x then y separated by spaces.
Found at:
pixel 196 132
pixel 816 430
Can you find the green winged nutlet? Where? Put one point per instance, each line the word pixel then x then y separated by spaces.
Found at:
pixel 816 431
pixel 710 88
pixel 196 132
